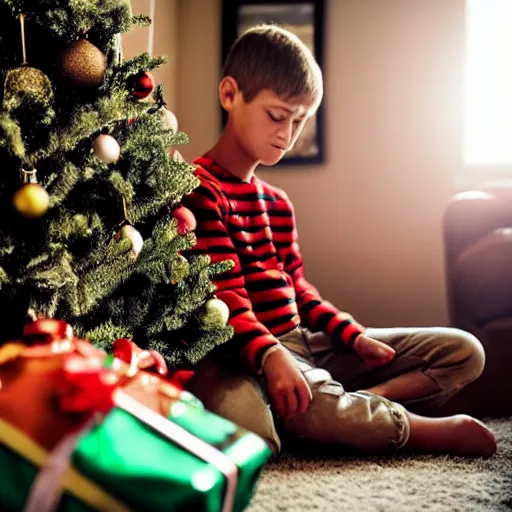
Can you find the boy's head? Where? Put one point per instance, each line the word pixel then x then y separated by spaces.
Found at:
pixel 271 85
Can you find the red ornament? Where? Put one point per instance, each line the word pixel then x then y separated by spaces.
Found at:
pixel 142 84
pixel 185 219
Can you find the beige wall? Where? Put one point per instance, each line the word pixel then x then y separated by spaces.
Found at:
pixel 370 217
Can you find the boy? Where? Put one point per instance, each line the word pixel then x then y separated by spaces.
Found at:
pixel 326 377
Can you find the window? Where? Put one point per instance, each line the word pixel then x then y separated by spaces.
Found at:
pixel 488 93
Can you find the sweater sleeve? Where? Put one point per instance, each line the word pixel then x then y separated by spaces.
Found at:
pixel 316 313
pixel 251 336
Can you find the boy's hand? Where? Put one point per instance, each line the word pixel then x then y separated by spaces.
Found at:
pixel 373 352
pixel 288 389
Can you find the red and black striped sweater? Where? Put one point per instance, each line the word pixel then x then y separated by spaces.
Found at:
pixel 253 224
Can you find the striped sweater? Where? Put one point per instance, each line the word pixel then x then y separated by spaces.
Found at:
pixel 253 224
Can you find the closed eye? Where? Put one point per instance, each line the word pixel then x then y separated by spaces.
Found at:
pixel 274 118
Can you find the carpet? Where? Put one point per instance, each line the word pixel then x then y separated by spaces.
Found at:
pixel 308 479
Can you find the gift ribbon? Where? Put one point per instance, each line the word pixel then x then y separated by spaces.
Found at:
pixel 46 489
pixel 186 440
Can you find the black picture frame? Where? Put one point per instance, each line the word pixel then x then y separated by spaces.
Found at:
pixel 238 15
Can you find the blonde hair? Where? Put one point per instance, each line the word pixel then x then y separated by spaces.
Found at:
pixel 270 57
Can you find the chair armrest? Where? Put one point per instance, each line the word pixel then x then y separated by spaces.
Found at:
pixel 482 278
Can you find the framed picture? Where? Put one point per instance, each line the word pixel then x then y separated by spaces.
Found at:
pixel 305 18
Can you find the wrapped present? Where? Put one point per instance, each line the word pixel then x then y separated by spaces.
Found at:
pixel 82 430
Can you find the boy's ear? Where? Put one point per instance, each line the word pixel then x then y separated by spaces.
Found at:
pixel 228 90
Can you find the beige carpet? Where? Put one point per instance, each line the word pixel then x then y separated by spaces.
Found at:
pixel 303 480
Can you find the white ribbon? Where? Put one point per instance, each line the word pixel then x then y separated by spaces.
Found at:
pixel 151 32
pixel 46 490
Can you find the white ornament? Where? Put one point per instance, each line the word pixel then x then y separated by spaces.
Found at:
pixel 176 155
pixel 169 120
pixel 216 314
pixel 136 240
pixel 106 148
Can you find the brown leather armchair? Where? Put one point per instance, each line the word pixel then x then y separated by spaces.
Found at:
pixel 478 244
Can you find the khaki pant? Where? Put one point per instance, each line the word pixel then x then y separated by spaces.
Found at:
pixel 339 412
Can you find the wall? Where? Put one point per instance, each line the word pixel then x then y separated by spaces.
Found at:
pixel 198 72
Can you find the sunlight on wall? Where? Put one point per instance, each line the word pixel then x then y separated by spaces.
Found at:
pixel 488 98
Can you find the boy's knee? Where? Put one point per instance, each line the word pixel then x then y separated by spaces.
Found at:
pixel 466 351
pixel 269 435
pixel 362 420
pixel 237 397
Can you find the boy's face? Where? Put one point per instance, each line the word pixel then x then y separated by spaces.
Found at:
pixel 268 126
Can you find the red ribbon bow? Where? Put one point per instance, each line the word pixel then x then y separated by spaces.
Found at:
pixel 87 385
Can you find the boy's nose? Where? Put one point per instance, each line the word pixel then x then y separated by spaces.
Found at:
pixel 284 135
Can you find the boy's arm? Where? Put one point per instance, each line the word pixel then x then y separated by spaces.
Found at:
pixel 213 239
pixel 316 313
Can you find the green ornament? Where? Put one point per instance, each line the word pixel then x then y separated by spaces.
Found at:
pixel 26 81
pixel 179 269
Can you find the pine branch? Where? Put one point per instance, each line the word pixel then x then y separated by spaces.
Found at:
pixel 10 137
pixel 104 335
pixel 85 121
pixel 4 278
pixel 103 280
pixel 141 20
pixel 67 20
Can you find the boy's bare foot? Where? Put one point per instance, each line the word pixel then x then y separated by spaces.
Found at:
pixel 474 439
pixel 456 435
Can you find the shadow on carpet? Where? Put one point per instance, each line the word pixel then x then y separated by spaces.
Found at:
pixel 307 480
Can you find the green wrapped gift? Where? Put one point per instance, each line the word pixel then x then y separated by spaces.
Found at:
pixel 135 459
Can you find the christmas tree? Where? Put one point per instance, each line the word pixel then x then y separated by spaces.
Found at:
pixel 91 227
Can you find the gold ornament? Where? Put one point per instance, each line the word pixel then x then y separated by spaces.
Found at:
pixel 82 64
pixel 31 200
pixel 26 80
